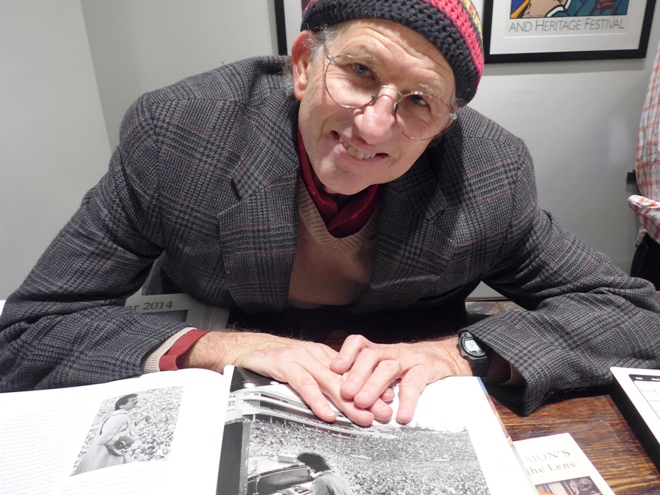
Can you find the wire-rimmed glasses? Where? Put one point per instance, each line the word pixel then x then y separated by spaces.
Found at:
pixel 351 83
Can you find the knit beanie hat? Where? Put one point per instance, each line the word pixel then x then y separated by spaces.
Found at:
pixel 453 26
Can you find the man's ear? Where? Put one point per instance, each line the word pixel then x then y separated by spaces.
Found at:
pixel 300 61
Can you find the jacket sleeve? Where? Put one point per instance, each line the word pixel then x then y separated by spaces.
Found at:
pixel 66 324
pixel 581 314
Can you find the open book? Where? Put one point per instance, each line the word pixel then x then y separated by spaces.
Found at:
pixel 237 433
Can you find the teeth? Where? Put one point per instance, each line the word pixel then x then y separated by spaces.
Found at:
pixel 354 152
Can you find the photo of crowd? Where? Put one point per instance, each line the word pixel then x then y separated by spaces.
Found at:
pixel 136 427
pixel 386 461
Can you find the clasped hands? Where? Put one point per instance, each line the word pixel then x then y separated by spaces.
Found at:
pixel 357 379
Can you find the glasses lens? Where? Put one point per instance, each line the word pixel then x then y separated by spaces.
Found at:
pixel 350 83
pixel 422 116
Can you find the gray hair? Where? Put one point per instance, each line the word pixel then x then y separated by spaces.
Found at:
pixel 315 46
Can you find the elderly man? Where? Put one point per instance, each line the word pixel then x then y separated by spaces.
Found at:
pixel 351 177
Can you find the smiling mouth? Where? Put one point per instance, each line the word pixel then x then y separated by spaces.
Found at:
pixel 354 152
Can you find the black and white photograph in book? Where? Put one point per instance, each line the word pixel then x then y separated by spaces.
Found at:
pixel 578 486
pixel 289 451
pixel 136 427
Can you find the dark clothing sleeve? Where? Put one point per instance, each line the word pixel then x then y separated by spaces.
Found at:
pixel 188 154
pixel 581 314
pixel 66 325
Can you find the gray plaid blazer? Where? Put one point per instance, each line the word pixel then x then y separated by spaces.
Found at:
pixel 202 194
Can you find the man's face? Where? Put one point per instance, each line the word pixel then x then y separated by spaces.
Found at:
pixel 351 149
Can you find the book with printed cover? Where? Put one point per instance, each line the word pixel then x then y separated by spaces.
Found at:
pixel 558 466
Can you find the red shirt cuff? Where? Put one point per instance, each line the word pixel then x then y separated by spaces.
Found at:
pixel 168 361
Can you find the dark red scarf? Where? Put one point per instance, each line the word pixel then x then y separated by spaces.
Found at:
pixel 347 219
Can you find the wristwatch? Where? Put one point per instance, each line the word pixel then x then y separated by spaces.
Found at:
pixel 474 352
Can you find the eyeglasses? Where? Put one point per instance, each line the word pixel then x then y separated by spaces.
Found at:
pixel 353 84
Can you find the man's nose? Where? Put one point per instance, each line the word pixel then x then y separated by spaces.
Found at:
pixel 378 120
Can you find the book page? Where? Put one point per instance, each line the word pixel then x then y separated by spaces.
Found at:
pixel 455 444
pixel 558 466
pixel 156 434
pixel 462 402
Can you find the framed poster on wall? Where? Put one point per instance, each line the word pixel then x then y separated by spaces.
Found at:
pixel 548 30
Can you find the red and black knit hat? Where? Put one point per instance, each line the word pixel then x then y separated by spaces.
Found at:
pixel 453 26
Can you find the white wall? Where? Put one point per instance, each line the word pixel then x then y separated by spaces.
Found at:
pixel 58 125
pixel 141 45
pixel 579 119
pixel 54 142
pixel 580 122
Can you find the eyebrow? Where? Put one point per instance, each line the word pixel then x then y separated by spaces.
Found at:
pixel 362 56
pixel 430 90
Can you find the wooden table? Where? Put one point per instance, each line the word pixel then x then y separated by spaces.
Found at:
pixel 603 434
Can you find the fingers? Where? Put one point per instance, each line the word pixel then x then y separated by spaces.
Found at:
pixel 388 395
pixel 308 388
pixel 373 370
pixel 318 388
pixel 366 385
pixel 376 366
pixel 329 383
pixel 410 389
pixel 350 349
pixel 305 366
pixel 361 359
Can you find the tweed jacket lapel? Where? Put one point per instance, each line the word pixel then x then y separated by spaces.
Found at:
pixel 258 233
pixel 413 248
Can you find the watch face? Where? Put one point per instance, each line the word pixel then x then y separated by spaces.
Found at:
pixel 470 349
pixel 473 348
